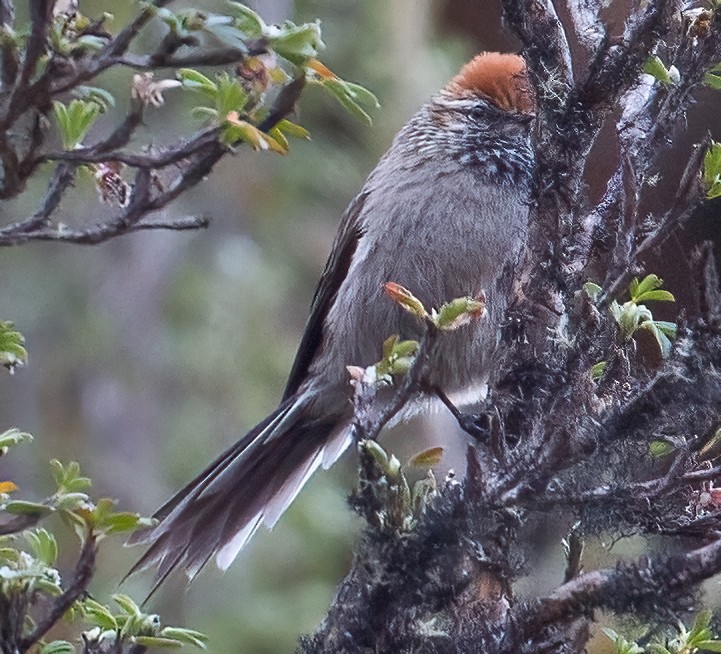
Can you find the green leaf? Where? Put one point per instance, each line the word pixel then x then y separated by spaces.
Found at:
pixel 298 43
pixel 405 299
pixel 75 120
pixel 658 295
pixel 362 95
pixel 597 370
pixel 186 636
pixel 649 283
pixel 458 312
pixel 99 615
pixel 593 290
pixel 339 90
pixel 101 97
pixel 225 32
pixel 12 437
pixel 712 171
pixel 68 478
pixel 195 81
pixel 655 648
pixel 89 42
pixel 377 452
pixel 655 67
pixel 174 22
pixel 292 129
pixel 663 341
pixel 23 507
pixel 711 443
pixel 236 130
pixel 119 523
pixel 204 113
pixel 701 622
pixel 660 448
pixel 44 545
pixel 668 328
pixel 12 347
pixel 58 647
pixel 709 645
pixel 230 95
pixel 127 604
pixel 713 78
pixel 247 21
pixel 157 641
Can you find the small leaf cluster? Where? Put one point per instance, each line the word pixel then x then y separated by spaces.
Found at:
pixel 72 503
pixel 397 358
pixel 712 166
pixel 401 507
pixel 300 46
pixel 132 626
pixel 12 346
pixel 30 572
pixel 699 638
pixel 451 315
pixel 75 119
pixel 72 34
pixel 633 315
pixel 230 100
pixel 12 437
pixel 238 100
pixel 28 557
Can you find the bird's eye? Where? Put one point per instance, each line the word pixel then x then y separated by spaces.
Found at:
pixel 477 112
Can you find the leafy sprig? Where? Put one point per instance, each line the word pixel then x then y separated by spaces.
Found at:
pixel 401 507
pixel 28 556
pixel 12 347
pixel 699 638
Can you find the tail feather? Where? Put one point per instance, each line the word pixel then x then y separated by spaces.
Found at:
pixel 250 484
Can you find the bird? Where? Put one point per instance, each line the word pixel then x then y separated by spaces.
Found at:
pixel 445 214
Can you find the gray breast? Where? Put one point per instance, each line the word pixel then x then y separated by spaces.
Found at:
pixel 443 237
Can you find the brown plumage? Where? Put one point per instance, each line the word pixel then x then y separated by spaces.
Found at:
pixel 445 214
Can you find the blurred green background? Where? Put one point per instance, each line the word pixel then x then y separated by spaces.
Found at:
pixel 151 353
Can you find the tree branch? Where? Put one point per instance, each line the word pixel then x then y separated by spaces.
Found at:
pixel 630 586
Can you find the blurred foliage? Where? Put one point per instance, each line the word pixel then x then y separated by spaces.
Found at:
pixel 33 595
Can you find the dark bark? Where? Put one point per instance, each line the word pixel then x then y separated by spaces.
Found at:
pixel 447 583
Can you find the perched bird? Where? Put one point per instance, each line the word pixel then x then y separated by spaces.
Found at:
pixel 444 214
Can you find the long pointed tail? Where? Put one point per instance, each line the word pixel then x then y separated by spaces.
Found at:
pixel 250 484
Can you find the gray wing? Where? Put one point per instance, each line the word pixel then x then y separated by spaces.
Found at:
pixel 336 268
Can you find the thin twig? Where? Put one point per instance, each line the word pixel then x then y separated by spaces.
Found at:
pixel 103 232
pixel 688 198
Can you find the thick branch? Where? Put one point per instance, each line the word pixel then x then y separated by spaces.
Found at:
pixel 627 587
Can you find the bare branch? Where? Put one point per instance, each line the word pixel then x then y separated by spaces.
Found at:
pixel 688 198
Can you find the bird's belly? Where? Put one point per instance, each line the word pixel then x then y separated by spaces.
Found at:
pixel 437 260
